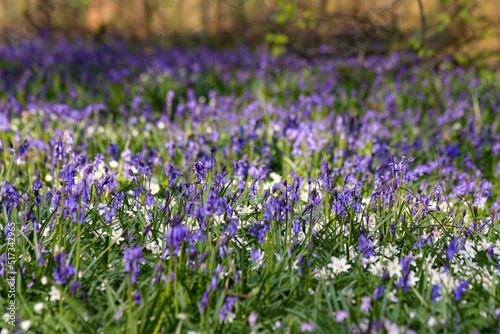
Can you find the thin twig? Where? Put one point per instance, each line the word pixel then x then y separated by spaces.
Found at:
pixel 226 285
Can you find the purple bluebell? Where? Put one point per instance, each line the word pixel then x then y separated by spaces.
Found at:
pixel 435 293
pixel 460 290
pixel 75 285
pixel 365 245
pixel 255 254
pixel 137 297
pixel 204 301
pixel 450 251
pixel 227 307
pixel 379 292
pixel 132 257
pixel 3 261
pixel 63 270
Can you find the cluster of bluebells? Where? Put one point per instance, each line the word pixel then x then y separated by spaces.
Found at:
pixel 225 190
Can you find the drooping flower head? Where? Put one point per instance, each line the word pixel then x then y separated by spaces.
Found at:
pixel 132 257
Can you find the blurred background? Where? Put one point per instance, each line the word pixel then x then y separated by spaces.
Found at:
pixel 466 30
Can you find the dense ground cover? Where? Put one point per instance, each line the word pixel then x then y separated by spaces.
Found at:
pixel 150 190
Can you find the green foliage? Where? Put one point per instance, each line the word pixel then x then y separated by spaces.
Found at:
pixel 274 289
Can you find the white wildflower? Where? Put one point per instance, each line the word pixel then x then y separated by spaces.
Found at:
pixel 25 325
pixel 339 265
pixel 54 293
pixel 394 268
pixel 38 307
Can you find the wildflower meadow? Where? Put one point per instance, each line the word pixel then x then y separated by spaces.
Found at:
pixel 154 190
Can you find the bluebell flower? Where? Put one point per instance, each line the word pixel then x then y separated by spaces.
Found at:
pixel 204 301
pixel 119 314
pixel 23 148
pixel 3 261
pixel 379 292
pixel 199 171
pixel 75 285
pixel 365 246
pixel 450 251
pixel 58 152
pixel 132 257
pixel 255 254
pixel 460 290
pixel 227 307
pixel 172 174
pixel 137 297
pixel 62 271
pixel 307 327
pixel 435 293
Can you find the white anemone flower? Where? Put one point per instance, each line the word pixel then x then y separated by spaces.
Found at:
pixel 38 307
pixel 394 268
pixel 54 293
pixel 339 265
pixel 25 325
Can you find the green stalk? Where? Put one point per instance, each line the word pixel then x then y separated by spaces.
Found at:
pixel 176 301
pixel 169 271
pixel 129 318
pixel 78 237
pixel 327 199
pixel 61 218
pixel 4 159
